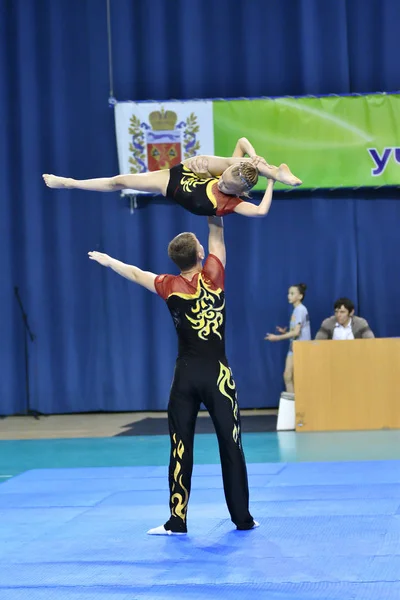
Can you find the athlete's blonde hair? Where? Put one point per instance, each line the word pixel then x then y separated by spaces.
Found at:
pixel 246 175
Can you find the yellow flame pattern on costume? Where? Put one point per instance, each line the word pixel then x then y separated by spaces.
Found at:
pixel 226 386
pixel 190 180
pixel 178 500
pixel 208 312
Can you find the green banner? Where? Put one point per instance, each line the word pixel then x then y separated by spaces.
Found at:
pixel 329 142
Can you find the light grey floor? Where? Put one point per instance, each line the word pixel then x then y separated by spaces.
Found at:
pixel 91 425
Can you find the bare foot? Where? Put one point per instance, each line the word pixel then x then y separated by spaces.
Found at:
pixel 285 176
pixel 52 181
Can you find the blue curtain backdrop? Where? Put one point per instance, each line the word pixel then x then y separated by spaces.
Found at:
pixel 101 343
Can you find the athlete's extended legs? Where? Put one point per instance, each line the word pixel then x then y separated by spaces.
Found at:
pixel 221 402
pixel 183 408
pixel 210 382
pixel 154 182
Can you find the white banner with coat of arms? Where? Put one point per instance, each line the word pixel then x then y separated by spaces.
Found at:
pixel 153 136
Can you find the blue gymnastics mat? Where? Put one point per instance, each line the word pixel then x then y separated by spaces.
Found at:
pixel 329 531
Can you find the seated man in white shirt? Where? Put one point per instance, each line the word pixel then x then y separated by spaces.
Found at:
pixel 344 325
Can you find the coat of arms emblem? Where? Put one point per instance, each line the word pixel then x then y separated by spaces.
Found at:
pixel 161 143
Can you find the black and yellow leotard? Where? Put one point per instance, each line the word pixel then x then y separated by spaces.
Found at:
pixel 199 196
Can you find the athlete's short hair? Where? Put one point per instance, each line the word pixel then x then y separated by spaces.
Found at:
pixel 182 250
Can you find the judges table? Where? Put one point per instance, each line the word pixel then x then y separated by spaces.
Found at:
pixel 347 385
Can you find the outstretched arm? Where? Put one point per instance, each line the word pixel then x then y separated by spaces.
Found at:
pixel 242 148
pixel 216 243
pixel 248 209
pixel 293 333
pixel 143 278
